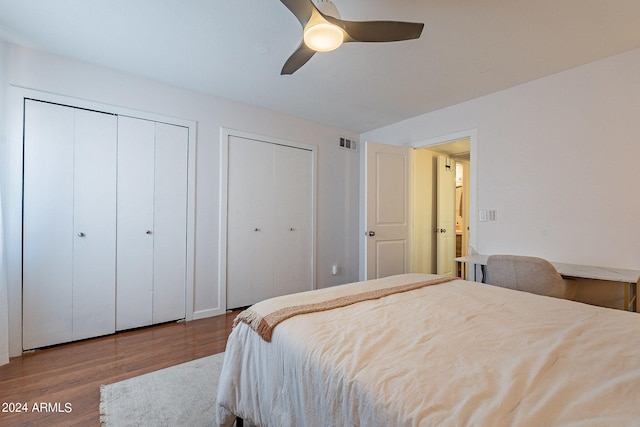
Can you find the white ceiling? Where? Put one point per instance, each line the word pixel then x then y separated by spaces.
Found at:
pixel 235 49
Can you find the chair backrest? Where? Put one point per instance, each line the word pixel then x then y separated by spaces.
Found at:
pixel 529 274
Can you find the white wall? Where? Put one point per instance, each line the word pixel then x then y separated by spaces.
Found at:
pixel 4 308
pixel 558 160
pixel 338 170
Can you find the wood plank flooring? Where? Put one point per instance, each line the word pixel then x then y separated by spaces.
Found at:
pixel 66 379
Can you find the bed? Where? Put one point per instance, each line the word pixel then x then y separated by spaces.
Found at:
pixel 434 352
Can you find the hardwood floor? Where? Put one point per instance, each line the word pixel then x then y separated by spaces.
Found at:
pixel 66 379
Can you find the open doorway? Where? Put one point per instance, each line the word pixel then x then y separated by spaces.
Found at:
pixel 413 212
pixel 432 250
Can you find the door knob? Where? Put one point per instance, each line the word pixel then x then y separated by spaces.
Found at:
pixel 149 232
pixel 371 233
pixel 81 234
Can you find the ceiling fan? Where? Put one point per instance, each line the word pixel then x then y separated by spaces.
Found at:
pixel 324 31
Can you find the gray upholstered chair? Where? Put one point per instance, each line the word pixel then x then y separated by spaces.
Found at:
pixel 529 274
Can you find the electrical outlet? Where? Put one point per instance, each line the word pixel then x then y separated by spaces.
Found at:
pixel 492 215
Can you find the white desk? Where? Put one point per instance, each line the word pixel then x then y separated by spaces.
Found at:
pixel 629 277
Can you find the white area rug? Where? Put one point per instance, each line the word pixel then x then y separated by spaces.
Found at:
pixel 181 395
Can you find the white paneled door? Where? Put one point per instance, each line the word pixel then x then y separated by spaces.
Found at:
pixel 446 216
pixel 152 215
pixel 387 216
pixel 269 221
pixel 69 224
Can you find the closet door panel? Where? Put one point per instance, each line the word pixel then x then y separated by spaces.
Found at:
pixel 250 222
pixel 259 250
pixel 293 246
pixel 134 283
pixel 170 222
pixel 47 224
pixel 94 251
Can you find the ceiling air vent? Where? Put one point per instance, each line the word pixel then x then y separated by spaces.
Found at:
pixel 348 144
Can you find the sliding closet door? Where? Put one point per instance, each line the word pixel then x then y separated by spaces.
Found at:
pixel 293 266
pixel 68 224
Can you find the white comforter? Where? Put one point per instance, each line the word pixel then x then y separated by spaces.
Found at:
pixel 454 354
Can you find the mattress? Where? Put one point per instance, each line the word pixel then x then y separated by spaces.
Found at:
pixel 456 353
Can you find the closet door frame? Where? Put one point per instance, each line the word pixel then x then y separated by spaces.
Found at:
pixel 225 135
pixel 13 218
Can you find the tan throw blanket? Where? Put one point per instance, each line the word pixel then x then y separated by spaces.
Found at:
pixel 264 316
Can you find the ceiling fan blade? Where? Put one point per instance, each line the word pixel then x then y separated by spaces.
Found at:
pixel 378 31
pixel 297 59
pixel 302 9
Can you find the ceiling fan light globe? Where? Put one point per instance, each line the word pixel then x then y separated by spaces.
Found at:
pixel 323 37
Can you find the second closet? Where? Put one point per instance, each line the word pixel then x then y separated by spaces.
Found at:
pixel 270 210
